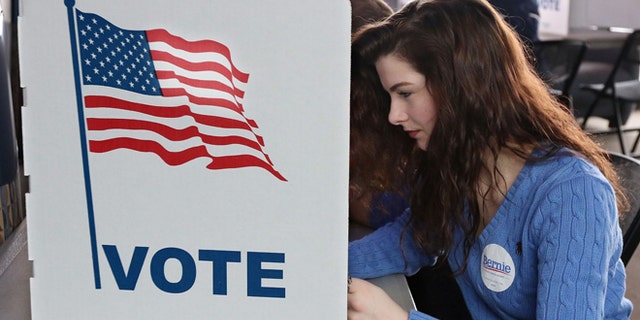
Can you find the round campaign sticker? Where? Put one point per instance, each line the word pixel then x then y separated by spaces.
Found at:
pixel 496 268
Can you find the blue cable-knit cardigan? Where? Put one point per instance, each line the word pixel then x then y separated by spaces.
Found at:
pixel 552 251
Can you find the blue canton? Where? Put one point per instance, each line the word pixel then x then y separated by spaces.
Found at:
pixel 114 57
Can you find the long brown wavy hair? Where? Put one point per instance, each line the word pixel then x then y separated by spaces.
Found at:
pixel 489 99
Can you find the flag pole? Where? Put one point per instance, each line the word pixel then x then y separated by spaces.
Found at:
pixel 83 141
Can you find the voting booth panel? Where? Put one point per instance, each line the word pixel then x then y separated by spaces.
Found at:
pixel 554 16
pixel 186 160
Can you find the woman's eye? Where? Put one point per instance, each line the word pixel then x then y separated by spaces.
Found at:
pixel 404 94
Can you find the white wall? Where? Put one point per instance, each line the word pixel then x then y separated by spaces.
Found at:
pixel 609 13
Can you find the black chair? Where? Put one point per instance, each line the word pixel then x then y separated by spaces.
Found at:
pixel 628 170
pixel 557 63
pixel 619 92
pixel 436 293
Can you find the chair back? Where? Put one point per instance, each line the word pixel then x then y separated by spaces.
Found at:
pixel 628 170
pixel 557 62
pixel 628 59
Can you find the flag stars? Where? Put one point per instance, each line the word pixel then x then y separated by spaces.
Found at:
pixel 121 57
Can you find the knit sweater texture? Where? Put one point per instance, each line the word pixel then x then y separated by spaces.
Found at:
pixel 552 251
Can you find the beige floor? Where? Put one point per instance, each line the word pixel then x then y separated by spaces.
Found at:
pixel 610 142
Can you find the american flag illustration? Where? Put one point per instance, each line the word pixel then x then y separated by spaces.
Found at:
pixel 152 91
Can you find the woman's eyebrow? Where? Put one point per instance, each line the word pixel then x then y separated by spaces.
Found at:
pixel 399 84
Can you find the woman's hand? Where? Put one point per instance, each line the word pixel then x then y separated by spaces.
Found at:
pixel 366 301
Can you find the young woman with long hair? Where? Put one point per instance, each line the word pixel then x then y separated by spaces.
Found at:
pixel 504 184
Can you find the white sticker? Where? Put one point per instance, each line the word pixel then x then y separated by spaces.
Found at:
pixel 497 268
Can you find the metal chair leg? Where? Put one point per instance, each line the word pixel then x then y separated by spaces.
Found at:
pixel 618 125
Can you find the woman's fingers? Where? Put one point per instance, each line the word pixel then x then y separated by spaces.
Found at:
pixel 368 301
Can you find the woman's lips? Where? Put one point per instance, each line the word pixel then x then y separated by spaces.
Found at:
pixel 413 133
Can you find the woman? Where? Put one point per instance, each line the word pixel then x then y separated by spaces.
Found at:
pixel 504 184
pixel 369 211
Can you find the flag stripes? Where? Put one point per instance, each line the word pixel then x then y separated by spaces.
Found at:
pixel 152 91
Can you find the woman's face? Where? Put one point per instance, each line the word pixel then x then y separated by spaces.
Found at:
pixel 412 105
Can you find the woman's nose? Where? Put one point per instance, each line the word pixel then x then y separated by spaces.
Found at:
pixel 397 115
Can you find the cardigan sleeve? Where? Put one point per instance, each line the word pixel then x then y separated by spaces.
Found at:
pixel 387 250
pixel 579 242
pixel 417 315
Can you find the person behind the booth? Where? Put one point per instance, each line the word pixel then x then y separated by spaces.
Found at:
pixel 370 211
pixel 522 15
pixel 503 183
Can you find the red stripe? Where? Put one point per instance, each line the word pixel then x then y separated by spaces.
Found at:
pixel 216 102
pixel 213 85
pixel 169 132
pixel 240 161
pixel 171 158
pixel 181 157
pixel 192 66
pixel 201 46
pixel 169 112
